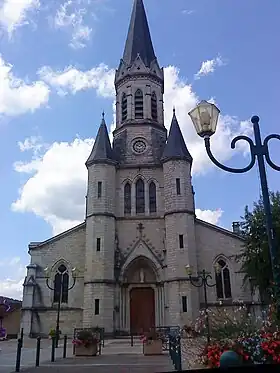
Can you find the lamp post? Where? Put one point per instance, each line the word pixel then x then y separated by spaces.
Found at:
pixel 61 287
pixel 202 280
pixel 205 118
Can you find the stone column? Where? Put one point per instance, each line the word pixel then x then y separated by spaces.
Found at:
pixel 130 103
pixel 147 204
pixel 118 112
pixel 147 103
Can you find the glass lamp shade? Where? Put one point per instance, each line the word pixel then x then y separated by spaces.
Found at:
pixel 47 272
pixel 188 270
pixel 74 272
pixel 205 118
pixel 217 268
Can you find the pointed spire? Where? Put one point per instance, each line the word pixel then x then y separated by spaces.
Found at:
pixel 102 151
pixel 139 39
pixel 175 147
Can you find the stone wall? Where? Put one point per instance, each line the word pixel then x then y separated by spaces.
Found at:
pixel 213 243
pixel 11 322
pixel 69 319
pixel 67 248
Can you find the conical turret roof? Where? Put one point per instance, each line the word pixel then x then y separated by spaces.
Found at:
pixel 175 147
pixel 102 151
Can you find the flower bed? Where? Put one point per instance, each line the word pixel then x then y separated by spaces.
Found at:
pixel 255 338
pixel 258 348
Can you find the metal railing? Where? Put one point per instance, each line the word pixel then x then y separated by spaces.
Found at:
pixel 164 333
pixel 175 351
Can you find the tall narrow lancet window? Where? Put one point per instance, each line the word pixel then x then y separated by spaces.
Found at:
pixel 127 198
pixel 140 197
pixel 139 104
pixel 152 197
pixel 154 106
pixel 124 107
pixel 223 286
pixel 61 285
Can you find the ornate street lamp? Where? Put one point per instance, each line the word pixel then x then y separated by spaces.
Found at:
pixel 205 119
pixel 60 291
pixel 202 280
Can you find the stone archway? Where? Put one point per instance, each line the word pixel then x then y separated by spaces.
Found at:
pixel 141 300
pixel 140 271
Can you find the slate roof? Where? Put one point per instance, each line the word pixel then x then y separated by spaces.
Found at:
pixel 102 151
pixel 139 39
pixel 175 147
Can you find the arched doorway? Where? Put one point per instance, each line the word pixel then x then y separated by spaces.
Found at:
pixel 142 309
pixel 140 279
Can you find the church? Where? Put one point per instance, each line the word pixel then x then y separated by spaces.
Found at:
pixel 140 232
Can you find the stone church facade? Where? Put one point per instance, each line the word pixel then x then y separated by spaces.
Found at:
pixel 140 230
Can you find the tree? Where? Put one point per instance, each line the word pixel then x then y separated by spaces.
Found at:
pixel 255 255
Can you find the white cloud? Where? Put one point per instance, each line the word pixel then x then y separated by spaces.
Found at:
pixel 12 287
pixel 52 181
pixel 180 94
pixel 209 66
pixel 71 17
pixel 187 12
pixel 14 13
pixel 54 191
pixel 210 216
pixel 17 96
pixel 71 80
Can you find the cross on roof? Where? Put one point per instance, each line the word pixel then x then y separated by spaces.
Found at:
pixel 140 228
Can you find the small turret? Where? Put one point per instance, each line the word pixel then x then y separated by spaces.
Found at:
pixel 177 163
pixel 102 151
pixel 176 147
pixel 179 220
pixel 100 232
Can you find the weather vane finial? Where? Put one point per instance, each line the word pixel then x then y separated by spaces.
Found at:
pixel 174 109
pixel 103 114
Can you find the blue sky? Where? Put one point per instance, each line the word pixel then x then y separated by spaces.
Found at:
pixel 57 61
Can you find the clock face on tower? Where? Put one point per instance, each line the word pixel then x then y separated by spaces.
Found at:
pixel 139 146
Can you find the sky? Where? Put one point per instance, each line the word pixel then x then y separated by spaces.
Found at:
pixel 57 65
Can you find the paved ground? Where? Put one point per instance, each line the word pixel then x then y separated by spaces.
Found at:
pixel 117 356
pixel 8 354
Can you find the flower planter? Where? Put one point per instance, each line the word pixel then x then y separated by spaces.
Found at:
pixel 90 350
pixel 152 347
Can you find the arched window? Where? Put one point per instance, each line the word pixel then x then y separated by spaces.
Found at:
pixel 152 197
pixel 61 285
pixel 139 104
pixel 127 198
pixel 124 107
pixel 140 197
pixel 154 106
pixel 223 286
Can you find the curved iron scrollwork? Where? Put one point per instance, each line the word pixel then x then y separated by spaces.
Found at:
pixel 256 150
pixel 202 280
pixel 233 144
pixel 266 150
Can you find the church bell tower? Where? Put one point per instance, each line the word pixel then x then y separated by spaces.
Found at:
pixel 139 84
